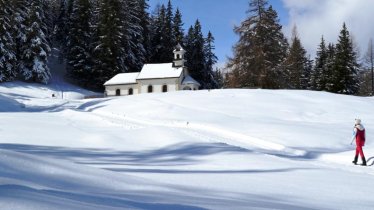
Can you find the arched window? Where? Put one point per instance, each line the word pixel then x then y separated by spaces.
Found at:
pixel 118 92
pixel 164 88
pixel 178 57
pixel 131 91
pixel 150 89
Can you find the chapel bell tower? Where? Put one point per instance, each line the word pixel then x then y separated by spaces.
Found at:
pixel 179 56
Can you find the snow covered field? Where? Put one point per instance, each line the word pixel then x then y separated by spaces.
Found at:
pixel 219 149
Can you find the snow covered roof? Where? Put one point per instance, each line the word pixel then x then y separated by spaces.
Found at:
pixel 124 78
pixel 189 80
pixel 162 70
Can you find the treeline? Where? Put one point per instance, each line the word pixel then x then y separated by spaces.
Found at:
pixel 97 39
pixel 263 58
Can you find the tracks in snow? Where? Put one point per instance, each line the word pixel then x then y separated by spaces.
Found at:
pixel 219 134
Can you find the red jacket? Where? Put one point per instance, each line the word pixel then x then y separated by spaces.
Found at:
pixel 360 137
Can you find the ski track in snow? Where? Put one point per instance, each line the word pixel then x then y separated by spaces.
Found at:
pixel 209 133
pixel 230 137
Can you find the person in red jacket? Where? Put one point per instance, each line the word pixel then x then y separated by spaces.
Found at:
pixel 359 135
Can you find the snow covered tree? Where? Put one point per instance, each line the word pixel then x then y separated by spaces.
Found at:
pixel 35 48
pixel 261 49
pixel 108 52
pixel 132 42
pixel 346 67
pixel 7 44
pixel 79 42
pixel 18 31
pixel 145 22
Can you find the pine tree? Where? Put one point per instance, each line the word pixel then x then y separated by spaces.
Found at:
pixel 178 32
pixel 7 44
pixel 108 52
pixel 132 42
pixel 261 49
pixel 35 49
pixel 48 19
pixel 346 79
pixel 195 54
pixel 18 32
pixel 274 50
pixel 78 43
pixel 319 71
pixel 168 41
pixel 328 73
pixel 297 64
pixel 158 25
pixel 145 22
pixel 210 60
pixel 188 44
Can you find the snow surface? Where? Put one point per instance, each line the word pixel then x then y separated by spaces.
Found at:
pixel 218 149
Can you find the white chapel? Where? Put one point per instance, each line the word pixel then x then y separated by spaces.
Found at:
pixel 154 78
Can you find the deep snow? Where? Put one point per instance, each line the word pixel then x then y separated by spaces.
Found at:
pixel 219 149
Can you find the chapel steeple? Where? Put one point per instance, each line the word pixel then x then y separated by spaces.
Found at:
pixel 179 56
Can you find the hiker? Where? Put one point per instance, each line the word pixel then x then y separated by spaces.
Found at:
pixel 359 136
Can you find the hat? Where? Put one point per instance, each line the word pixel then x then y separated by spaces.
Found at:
pixel 358 121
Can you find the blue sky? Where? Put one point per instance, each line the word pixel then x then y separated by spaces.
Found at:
pixel 313 19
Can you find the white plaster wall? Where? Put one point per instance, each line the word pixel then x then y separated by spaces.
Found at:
pixel 111 90
pixel 172 83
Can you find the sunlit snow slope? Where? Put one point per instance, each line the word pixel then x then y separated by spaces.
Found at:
pixel 219 149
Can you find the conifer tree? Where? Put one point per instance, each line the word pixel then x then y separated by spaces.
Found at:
pixel 168 40
pixel 346 80
pixel 78 43
pixel 297 64
pixel 319 72
pixel 178 32
pixel 210 60
pixel 145 22
pixel 108 52
pixel 61 30
pixel 195 54
pixel 35 49
pixel 188 43
pixel 261 49
pixel 158 25
pixel 329 74
pixel 18 32
pixel 7 44
pixel 132 42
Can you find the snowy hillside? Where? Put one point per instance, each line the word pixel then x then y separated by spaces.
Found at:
pixel 219 149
